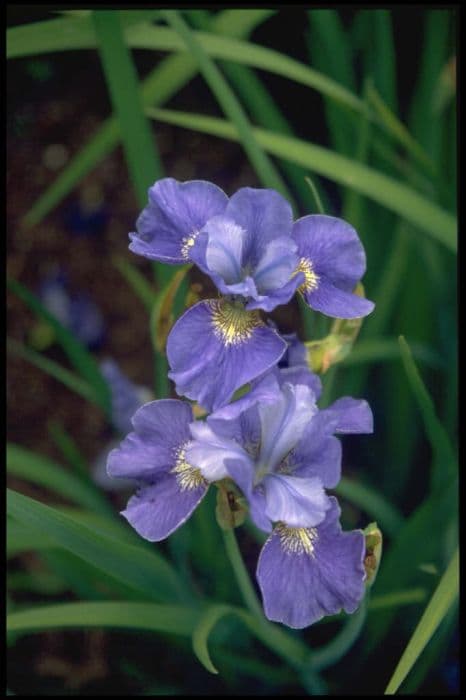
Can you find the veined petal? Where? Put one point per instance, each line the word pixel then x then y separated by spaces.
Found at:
pixel 264 214
pixel 277 264
pixel 307 573
pixel 333 247
pixel 208 452
pixel 283 424
pixel 215 348
pixel 352 415
pixel 177 211
pixel 335 302
pixel 160 428
pixel 126 397
pixel 317 454
pixel 157 510
pixel 297 501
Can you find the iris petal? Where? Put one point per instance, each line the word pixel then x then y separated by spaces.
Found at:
pixel 176 212
pixel 157 510
pixel 160 428
pixel 307 573
pixel 214 349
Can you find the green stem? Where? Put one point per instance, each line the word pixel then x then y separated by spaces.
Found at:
pixel 332 652
pixel 241 574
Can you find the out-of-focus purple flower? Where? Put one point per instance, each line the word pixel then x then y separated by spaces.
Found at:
pixel 167 228
pixel 305 573
pixel 126 397
pixel 74 311
pixel 86 218
pixel 155 455
pixel 332 259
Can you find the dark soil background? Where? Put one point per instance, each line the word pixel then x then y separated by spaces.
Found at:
pixel 55 104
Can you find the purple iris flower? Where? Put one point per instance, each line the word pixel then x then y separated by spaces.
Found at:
pixel 249 254
pixel 288 455
pixel 155 455
pixel 280 449
pixel 177 211
pixel 305 573
pixel 332 259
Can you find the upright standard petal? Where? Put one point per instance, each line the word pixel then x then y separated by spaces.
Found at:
pixel 177 211
pixel 126 397
pixel 209 452
pixel 217 347
pixel 264 214
pixel 318 453
pixel 307 573
pixel 283 423
pixel 160 429
pixel 332 260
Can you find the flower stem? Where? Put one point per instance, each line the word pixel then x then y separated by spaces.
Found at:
pixel 241 573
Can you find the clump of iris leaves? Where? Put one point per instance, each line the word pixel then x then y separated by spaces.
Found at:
pixel 394 173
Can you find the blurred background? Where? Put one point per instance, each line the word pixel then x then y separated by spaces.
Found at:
pixel 371 94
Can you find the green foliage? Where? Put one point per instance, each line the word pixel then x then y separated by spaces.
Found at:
pixel 388 166
pixel 443 598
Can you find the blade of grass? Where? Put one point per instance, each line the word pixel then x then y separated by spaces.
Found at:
pixel 444 596
pixel 139 145
pixel 398 130
pixel 228 102
pixel 435 653
pixel 353 203
pixel 138 142
pixel 136 280
pixel 135 566
pixel 254 55
pixel 162 83
pixel 385 350
pixel 69 449
pixel 168 619
pixel 331 53
pixel 42 471
pixel 22 538
pixel 52 368
pixel 159 38
pixel 331 653
pixel 373 503
pixel 399 198
pixel 79 357
pixel 383 56
pixel 260 105
pixel 444 466
pixel 413 546
pixel 62 33
pixel 316 196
